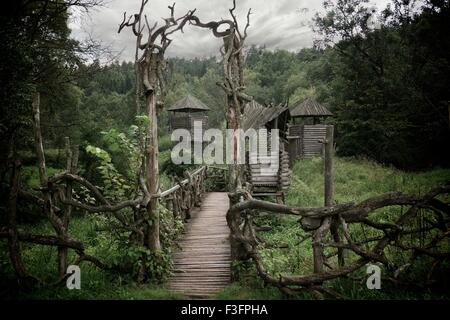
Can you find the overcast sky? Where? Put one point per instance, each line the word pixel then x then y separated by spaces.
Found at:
pixel 277 24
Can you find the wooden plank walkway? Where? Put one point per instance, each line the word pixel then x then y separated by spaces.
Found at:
pixel 202 266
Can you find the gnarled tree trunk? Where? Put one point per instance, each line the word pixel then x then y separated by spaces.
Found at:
pixel 149 66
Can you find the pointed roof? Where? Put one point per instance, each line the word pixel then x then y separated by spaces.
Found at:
pixel 310 108
pixel 256 115
pixel 188 103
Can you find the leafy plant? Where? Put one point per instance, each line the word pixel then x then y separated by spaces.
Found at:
pixel 115 186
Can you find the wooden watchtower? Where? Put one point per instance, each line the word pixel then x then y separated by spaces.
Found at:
pixel 185 112
pixel 306 131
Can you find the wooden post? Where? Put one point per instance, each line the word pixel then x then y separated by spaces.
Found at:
pixel 325 226
pixel 328 167
pixel 329 191
pixel 301 142
pixel 317 245
pixel 176 204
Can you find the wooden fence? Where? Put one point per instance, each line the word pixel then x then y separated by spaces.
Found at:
pixel 180 199
pixel 320 222
pixel 185 195
pixel 304 141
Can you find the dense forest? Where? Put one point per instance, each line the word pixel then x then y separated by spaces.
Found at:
pixel 385 75
pixel 388 87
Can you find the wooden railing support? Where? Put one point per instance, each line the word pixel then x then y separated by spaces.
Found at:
pixel 320 233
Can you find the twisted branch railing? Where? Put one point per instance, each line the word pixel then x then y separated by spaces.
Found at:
pixel 245 243
pixel 179 199
pixel 185 195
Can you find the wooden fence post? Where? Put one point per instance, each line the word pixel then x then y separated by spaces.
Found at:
pixel 325 225
pixel 328 161
pixel 329 190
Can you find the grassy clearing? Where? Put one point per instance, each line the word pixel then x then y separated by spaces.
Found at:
pixel 356 180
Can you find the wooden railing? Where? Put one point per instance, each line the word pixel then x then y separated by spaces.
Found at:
pixel 328 227
pixel 186 194
pixel 421 228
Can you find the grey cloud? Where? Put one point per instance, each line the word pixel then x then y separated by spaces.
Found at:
pixel 280 24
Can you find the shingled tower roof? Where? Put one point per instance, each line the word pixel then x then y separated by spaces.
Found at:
pixel 189 103
pixel 310 108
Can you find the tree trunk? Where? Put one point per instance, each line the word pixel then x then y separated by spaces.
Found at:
pixel 38 139
pixel 57 223
pixel 153 242
pixel 233 68
pixel 25 279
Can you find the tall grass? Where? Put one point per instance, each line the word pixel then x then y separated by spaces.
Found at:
pixel 356 180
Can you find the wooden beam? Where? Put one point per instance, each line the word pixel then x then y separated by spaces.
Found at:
pixel 328 162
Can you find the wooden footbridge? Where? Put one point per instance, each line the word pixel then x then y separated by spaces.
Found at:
pixel 202 264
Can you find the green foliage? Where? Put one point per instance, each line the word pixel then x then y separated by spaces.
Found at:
pixel 249 291
pixel 165 143
pixel 117 248
pixel 125 149
pixel 30 176
pixel 387 103
pixel 121 157
pixel 357 179
pixel 115 186
pixel 377 73
pixel 158 265
pixel 38 55
pixel 143 121
pixel 103 112
pixel 95 284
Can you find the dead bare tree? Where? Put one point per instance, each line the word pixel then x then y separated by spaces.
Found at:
pixel 233 84
pixel 150 65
